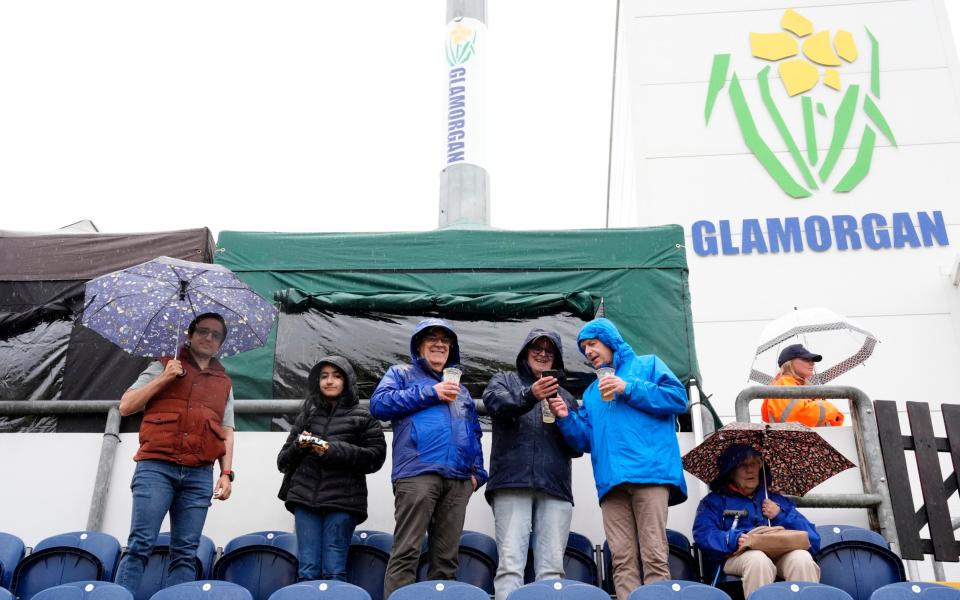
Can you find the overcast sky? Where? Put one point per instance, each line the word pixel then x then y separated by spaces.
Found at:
pixel 293 116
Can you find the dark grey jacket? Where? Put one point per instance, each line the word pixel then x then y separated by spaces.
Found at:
pixel 336 480
pixel 527 453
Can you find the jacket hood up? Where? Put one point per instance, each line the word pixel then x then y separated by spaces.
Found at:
pixel 452 360
pixel 730 459
pixel 523 367
pixel 350 395
pixel 604 330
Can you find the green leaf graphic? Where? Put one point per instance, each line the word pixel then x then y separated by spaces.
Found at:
pixel 841 129
pixel 873 111
pixel 764 82
pixel 760 148
pixel 861 166
pixel 810 130
pixel 718 78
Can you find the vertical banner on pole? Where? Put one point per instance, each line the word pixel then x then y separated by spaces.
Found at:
pixel 463 137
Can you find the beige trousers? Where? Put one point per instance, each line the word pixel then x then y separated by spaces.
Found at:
pixel 635 514
pixel 758 570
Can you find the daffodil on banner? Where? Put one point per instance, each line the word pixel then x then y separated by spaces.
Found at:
pixel 461 45
pixel 798 53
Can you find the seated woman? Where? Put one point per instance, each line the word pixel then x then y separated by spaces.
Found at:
pixel 738 487
pixel 796 368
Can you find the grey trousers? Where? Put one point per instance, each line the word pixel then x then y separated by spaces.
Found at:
pixel 433 505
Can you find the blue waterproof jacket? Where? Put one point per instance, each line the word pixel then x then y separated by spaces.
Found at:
pixel 429 436
pixel 633 438
pixel 712 531
pixel 527 453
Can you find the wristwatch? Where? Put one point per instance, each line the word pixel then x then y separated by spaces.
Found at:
pixel 228 473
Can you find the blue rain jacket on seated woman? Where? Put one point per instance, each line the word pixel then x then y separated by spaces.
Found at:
pixel 712 531
pixel 633 438
pixel 429 436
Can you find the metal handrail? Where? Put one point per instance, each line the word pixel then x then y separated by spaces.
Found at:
pixel 876 496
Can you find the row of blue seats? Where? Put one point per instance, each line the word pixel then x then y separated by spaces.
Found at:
pixel 455 590
pixel 266 561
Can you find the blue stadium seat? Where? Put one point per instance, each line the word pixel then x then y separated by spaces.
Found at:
pixel 558 589
pixel 76 556
pixel 579 563
pixel 85 590
pixel 683 564
pixel 11 552
pixel 477 562
pixel 440 590
pixel 155 572
pixel 367 561
pixel 908 590
pixel 859 568
pixel 360 535
pixel 321 590
pixel 262 562
pixel 204 590
pixel 798 590
pixel 677 589
pixel 831 534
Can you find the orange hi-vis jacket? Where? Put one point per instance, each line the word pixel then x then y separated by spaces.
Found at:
pixel 812 412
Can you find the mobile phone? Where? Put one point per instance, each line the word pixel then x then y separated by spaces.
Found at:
pixel 556 373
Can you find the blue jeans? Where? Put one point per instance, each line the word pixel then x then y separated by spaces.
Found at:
pixel 323 539
pixel 517 513
pixel 158 487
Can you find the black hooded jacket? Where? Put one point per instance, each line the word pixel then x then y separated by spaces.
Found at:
pixel 336 480
pixel 527 453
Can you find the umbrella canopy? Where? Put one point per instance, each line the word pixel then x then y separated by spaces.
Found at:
pixel 841 341
pixel 798 458
pixel 145 309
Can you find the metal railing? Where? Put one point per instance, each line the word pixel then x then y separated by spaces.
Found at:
pixel 876 495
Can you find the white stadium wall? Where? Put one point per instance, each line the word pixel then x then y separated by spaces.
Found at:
pixel 670 166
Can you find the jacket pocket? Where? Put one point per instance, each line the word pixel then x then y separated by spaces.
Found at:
pixel 159 432
pixel 430 434
pixel 213 442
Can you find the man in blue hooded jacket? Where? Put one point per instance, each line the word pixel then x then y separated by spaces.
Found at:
pixel 437 457
pixel 632 442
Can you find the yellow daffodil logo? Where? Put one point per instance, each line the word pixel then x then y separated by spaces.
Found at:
pixel 460 46
pixel 799 53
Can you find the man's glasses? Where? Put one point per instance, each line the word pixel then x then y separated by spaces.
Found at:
pixel 206 332
pixel 438 339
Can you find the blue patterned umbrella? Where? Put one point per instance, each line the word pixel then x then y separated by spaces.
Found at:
pixel 145 309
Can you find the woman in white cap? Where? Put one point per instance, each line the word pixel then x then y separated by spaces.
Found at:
pixel 796 368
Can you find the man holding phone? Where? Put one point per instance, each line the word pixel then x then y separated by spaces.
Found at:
pixel 529 487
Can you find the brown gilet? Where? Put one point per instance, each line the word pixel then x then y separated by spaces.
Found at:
pixel 182 423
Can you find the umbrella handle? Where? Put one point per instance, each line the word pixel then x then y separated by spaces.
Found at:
pixel 176 350
pixel 763 474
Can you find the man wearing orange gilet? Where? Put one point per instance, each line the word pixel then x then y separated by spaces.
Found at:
pixel 796 368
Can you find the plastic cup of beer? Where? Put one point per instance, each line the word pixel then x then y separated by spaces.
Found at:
pixel 606 372
pixel 545 412
pixel 452 374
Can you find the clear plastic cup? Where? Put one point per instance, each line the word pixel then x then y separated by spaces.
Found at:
pixel 452 374
pixel 545 412
pixel 606 372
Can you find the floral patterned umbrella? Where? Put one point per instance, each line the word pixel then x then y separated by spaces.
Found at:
pixel 798 458
pixel 145 309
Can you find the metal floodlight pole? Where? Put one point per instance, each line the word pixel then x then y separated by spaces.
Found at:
pixel 464 182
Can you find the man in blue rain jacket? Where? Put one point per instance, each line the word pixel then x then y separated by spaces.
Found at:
pixel 437 457
pixel 632 442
